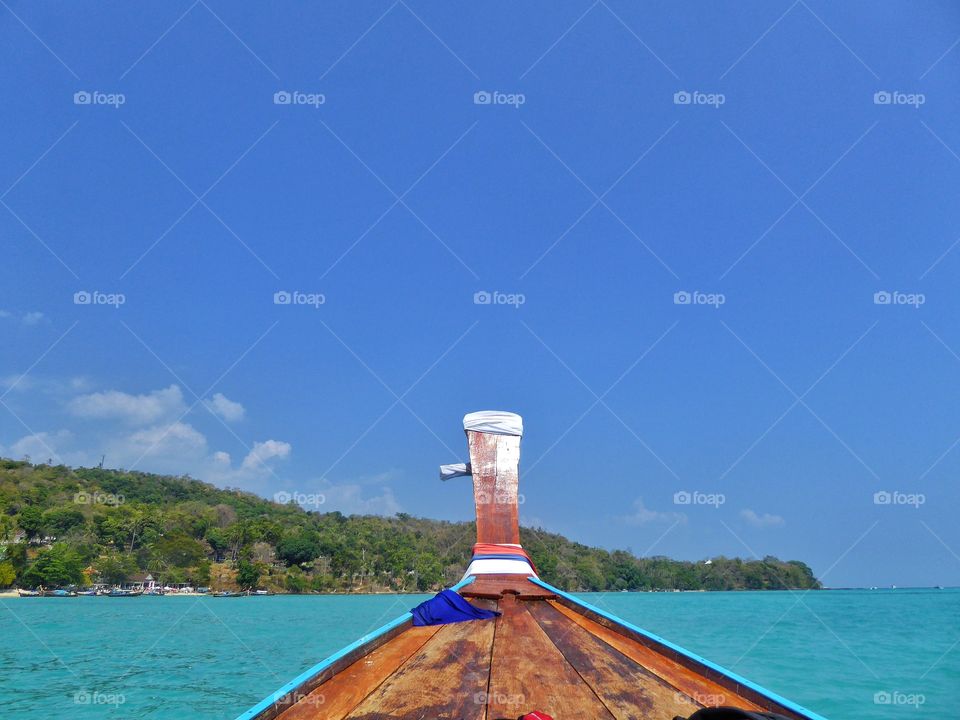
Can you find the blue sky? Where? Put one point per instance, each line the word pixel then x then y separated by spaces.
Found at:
pixel 682 215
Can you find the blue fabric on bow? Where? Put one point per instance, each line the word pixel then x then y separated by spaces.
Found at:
pixel 448 607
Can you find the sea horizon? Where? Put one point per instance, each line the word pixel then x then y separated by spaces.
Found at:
pixel 146 675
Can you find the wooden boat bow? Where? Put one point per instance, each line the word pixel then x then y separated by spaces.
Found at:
pixel 548 650
pixel 499 562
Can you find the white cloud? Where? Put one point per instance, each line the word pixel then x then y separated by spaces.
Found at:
pixel 134 409
pixel 34 317
pixel 357 499
pixel 764 520
pixel 79 383
pixel 255 473
pixel 177 440
pixel 39 446
pixel 364 495
pixel 50 385
pixel 642 515
pixel 147 431
pixel 21 383
pixel 229 410
pixel 178 448
pixel 263 451
pixel 152 436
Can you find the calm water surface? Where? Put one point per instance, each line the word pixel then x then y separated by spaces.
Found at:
pixel 841 653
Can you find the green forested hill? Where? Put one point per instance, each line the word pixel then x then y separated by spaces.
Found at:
pixel 62 526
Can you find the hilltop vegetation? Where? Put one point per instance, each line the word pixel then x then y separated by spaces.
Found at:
pixel 62 526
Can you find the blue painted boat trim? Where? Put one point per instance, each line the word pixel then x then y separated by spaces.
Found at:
pixel 303 677
pixel 790 705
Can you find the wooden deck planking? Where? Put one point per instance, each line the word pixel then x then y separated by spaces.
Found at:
pixel 494 585
pixel 626 688
pixel 703 690
pixel 528 672
pixel 446 678
pixel 537 655
pixel 334 699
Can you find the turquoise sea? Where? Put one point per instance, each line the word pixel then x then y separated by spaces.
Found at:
pixel 860 654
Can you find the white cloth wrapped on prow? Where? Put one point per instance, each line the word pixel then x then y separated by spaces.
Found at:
pixel 448 472
pixel 495 422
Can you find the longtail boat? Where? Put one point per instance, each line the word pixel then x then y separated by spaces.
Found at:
pixel 547 651
pixel 59 593
pixel 121 593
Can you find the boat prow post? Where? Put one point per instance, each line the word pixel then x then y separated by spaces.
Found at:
pixel 493 438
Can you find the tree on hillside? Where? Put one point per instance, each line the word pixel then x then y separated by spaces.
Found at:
pixel 179 550
pixel 115 568
pixel 200 575
pixel 62 520
pixel 428 571
pixel 7 573
pixel 134 521
pixel 124 526
pixel 55 567
pixel 219 542
pixel 296 581
pixel 248 575
pixel 6 524
pixel 191 517
pixel 16 555
pixel 225 515
pixel 299 548
pixel 170 526
pixel 241 534
pixel 30 521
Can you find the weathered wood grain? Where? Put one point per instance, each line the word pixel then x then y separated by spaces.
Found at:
pixel 702 690
pixel 334 699
pixel 494 585
pixel 528 672
pixel 286 701
pixel 446 678
pixel 494 460
pixel 626 688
